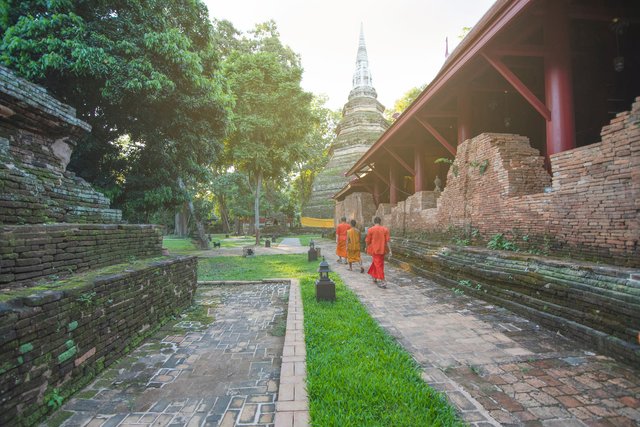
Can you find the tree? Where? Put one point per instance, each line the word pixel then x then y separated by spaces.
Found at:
pixel 272 116
pixel 320 138
pixel 147 69
pixel 403 102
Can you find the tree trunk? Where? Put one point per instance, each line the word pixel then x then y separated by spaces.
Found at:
pixel 226 225
pixel 202 236
pixel 256 207
pixel 181 229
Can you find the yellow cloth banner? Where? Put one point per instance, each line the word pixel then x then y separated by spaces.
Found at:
pixel 317 222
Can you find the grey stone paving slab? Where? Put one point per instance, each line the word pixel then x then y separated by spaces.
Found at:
pixel 222 374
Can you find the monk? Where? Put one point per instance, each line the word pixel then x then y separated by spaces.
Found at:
pixel 377 239
pixel 341 240
pixel 353 246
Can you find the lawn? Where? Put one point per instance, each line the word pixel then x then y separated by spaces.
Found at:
pixel 178 245
pixel 185 245
pixel 357 375
pixel 255 268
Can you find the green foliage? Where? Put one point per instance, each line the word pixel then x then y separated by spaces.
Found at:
pixel 500 242
pixel 357 374
pixel 54 399
pixel 461 241
pixel 319 142
pixel 482 166
pixel 403 102
pixel 87 298
pixel 147 72
pixel 450 162
pixel 464 32
pixel 273 116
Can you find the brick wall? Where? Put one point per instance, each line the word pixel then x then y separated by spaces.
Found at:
pixel 596 304
pixel 29 253
pixel 498 184
pixel 61 338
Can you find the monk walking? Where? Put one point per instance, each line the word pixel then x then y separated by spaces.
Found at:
pixel 377 239
pixel 353 246
pixel 341 240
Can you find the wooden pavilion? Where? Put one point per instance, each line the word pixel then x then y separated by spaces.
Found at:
pixel 555 71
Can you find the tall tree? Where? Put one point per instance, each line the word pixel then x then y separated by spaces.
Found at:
pixel 322 134
pixel 147 69
pixel 403 102
pixel 272 115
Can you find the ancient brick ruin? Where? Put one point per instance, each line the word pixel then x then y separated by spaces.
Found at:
pixel 588 210
pixel 78 289
pixel 498 184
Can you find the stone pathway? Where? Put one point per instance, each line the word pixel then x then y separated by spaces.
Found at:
pixel 224 374
pixel 291 245
pixel 496 367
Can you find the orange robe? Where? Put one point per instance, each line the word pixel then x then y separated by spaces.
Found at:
pixel 353 245
pixel 377 238
pixel 341 233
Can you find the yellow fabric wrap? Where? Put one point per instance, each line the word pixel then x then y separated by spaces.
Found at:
pixel 317 222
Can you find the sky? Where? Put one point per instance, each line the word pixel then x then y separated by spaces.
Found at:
pixel 405 38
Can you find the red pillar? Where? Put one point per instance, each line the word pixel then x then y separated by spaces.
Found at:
pixel 393 185
pixel 557 77
pixel 464 116
pixel 376 191
pixel 418 166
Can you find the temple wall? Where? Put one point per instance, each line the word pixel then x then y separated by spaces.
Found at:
pixel 498 184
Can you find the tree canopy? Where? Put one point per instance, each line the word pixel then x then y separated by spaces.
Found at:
pixel 146 69
pixel 403 102
pixel 272 117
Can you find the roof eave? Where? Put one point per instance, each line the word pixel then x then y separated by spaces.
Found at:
pixel 496 18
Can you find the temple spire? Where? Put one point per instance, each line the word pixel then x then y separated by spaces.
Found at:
pixel 362 75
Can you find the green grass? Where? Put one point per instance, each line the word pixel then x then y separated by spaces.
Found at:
pixel 357 375
pixel 179 245
pixel 255 268
pixel 185 245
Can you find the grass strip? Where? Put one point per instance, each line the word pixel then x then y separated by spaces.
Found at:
pixel 255 268
pixel 357 375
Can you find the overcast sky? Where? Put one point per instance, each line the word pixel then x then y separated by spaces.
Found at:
pixel 405 38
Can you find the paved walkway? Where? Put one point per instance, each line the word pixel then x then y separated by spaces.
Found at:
pixel 496 367
pixel 224 374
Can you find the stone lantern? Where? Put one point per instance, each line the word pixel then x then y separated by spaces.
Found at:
pixel 325 288
pixel 312 254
